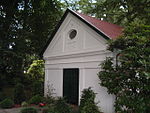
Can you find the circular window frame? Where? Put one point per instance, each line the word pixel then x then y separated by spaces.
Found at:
pixel 72 34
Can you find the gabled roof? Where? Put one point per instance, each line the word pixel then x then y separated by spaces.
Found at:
pixel 105 29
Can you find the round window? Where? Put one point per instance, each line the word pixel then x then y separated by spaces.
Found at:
pixel 72 34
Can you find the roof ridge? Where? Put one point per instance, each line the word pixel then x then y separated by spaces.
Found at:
pixel 88 15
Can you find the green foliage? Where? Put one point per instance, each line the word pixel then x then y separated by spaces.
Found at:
pixel 10 67
pixel 45 110
pixel 129 77
pixel 120 12
pixel 49 99
pixel 36 70
pixel 77 5
pixel 24 104
pixel 36 99
pixel 38 88
pixel 87 104
pixel 19 94
pixel 6 103
pixel 61 106
pixel 7 92
pixel 24 28
pixel 75 109
pixel 29 110
pixel 2 96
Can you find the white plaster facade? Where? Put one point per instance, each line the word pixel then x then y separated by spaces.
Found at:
pixel 86 51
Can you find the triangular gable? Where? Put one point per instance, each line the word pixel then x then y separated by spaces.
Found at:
pixel 105 31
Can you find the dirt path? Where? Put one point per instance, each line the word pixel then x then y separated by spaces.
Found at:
pixel 13 110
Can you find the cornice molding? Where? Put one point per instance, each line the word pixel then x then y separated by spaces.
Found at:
pixel 77 55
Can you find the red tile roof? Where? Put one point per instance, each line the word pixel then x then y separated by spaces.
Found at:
pixel 109 29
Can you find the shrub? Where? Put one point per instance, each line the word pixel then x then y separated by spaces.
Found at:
pixel 19 94
pixel 49 99
pixel 45 110
pixel 36 99
pixel 50 109
pixel 7 92
pixel 29 110
pixel 24 104
pixel 7 103
pixel 61 106
pixel 2 96
pixel 87 104
pixel 38 88
pixel 75 109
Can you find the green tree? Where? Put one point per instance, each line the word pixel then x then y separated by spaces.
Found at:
pixel 8 58
pixel 24 28
pixel 119 12
pixel 128 74
pixel 79 5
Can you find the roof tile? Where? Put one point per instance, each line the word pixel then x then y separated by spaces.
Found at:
pixel 109 29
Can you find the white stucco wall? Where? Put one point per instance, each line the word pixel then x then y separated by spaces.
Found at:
pixel 88 69
pixel 85 52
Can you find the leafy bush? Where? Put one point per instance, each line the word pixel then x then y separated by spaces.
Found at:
pixel 19 94
pixel 36 99
pixel 38 88
pixel 29 110
pixel 50 110
pixel 2 96
pixel 75 109
pixel 127 75
pixel 24 104
pixel 61 106
pixel 7 92
pixel 87 104
pixel 45 110
pixel 7 103
pixel 49 99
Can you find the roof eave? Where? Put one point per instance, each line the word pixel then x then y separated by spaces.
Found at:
pixel 90 25
pixel 54 32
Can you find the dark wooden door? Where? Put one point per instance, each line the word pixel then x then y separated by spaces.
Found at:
pixel 71 85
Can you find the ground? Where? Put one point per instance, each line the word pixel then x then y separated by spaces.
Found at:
pixel 13 110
